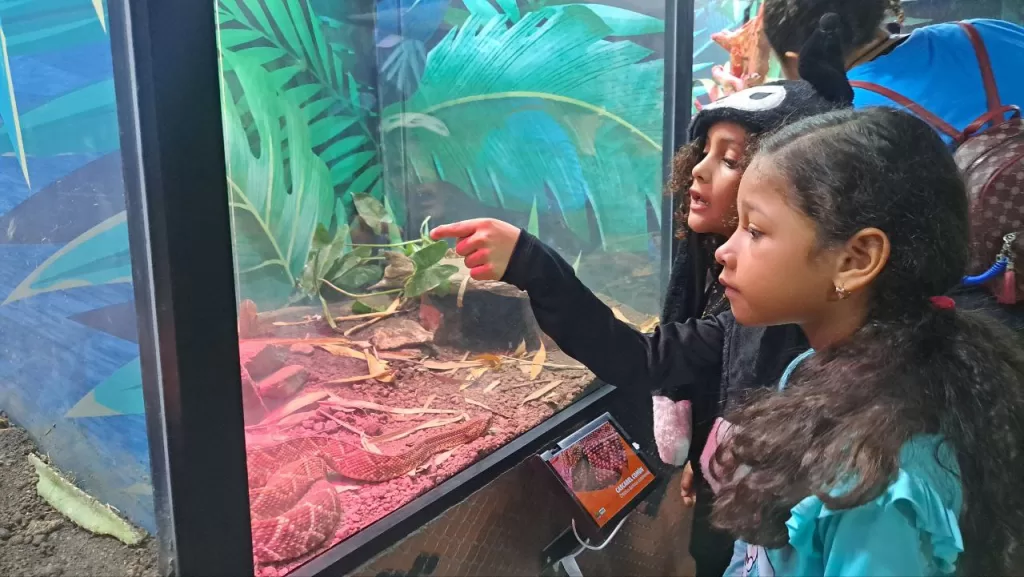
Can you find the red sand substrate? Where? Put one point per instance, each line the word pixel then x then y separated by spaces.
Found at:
pixel 363 504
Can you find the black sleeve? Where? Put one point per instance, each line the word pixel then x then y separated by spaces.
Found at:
pixel 680 356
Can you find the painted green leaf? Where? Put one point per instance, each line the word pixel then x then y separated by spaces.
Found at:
pixel 533 226
pixel 511 9
pixel 81 121
pixel 31 27
pixel 275 206
pixel 98 256
pixel 624 194
pixel 34 27
pixel 455 16
pixel 371 210
pixel 118 394
pixel 100 6
pixel 394 231
pixel 9 107
pixel 480 8
pixel 287 39
pixel 491 85
pixel 623 22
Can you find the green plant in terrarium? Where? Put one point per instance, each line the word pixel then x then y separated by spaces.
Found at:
pixel 410 268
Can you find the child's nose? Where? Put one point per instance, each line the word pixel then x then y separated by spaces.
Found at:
pixel 700 171
pixel 724 254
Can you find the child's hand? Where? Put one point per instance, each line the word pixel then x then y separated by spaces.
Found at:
pixel 486 244
pixel 686 487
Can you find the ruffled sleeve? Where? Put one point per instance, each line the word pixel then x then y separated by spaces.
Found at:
pixel 911 529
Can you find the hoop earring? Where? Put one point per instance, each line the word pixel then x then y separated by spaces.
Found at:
pixel 842 293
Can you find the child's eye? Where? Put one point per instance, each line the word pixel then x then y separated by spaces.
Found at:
pixel 732 164
pixel 754 233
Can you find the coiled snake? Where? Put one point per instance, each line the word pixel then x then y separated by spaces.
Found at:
pixel 295 509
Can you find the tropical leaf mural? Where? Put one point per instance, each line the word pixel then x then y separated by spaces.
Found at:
pixel 33 27
pixel 623 22
pixel 288 40
pixel 508 122
pixel 118 394
pixel 275 207
pixel 83 120
pixel 98 256
pixel 9 107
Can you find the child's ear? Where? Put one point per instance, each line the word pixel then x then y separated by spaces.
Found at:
pixel 861 259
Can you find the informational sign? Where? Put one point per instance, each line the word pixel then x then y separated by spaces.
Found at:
pixel 602 471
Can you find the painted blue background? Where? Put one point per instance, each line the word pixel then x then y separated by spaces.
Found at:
pixel 68 356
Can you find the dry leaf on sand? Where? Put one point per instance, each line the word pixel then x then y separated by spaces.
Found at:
pixel 538 362
pixel 296 404
pixel 450 365
pixel 540 392
pixel 520 350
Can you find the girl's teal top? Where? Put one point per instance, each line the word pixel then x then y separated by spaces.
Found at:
pixel 911 529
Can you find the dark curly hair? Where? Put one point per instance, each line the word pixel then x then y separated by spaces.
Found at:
pixel 789 23
pixel 681 178
pixel 912 369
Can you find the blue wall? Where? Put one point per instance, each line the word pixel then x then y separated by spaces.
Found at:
pixel 68 354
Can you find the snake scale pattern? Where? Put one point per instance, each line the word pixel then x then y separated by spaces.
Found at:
pixel 295 509
pixel 593 463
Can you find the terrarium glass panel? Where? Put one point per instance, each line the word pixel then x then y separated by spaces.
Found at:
pixel 373 367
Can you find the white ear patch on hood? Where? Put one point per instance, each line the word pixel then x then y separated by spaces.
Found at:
pixel 754 99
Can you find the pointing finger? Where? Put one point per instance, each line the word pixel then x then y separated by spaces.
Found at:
pixel 455 230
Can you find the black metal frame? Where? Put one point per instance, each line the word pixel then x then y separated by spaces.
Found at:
pixel 168 94
pixel 678 85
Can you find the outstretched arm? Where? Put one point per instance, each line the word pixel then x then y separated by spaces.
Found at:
pixel 678 355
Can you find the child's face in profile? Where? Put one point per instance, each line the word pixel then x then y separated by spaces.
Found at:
pixel 716 178
pixel 774 271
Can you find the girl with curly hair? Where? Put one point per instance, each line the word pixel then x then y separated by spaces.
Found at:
pixel 895 445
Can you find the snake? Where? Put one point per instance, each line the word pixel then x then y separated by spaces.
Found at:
pixel 295 509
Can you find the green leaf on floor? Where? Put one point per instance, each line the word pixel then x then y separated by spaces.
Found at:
pixel 81 508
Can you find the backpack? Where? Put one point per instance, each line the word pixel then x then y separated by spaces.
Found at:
pixel 992 164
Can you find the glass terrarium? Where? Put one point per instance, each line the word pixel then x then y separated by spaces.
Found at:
pixel 373 367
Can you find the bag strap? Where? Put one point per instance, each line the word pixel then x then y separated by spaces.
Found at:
pixel 922 113
pixel 996 111
pixel 984 64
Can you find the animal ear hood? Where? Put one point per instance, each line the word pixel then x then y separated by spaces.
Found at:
pixel 822 87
